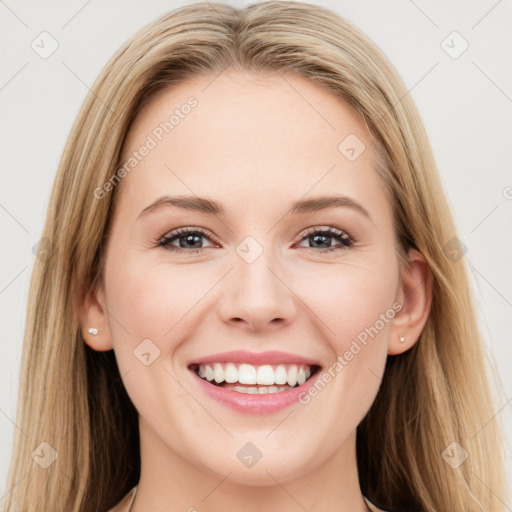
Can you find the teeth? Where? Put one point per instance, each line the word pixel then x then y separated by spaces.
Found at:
pixel 260 391
pixel 218 373
pixel 230 373
pixel 301 377
pixel 292 375
pixel 264 375
pixel 280 376
pixel 247 374
pixel 209 372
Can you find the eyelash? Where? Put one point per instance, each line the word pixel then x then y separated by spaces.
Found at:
pixel 343 237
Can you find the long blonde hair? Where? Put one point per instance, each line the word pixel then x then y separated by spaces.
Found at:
pixel 72 397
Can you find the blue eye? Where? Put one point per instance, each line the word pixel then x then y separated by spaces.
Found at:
pixel 188 235
pixel 320 235
pixel 189 239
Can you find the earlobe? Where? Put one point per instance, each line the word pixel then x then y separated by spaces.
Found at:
pixel 415 296
pixel 94 321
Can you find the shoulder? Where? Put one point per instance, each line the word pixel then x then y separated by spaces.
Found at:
pixel 124 504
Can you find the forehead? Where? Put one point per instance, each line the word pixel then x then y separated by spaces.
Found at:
pixel 257 135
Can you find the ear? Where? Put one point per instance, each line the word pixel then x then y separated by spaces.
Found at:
pixel 93 314
pixel 415 296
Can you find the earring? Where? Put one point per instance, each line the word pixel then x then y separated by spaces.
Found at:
pixel 93 331
pixel 402 339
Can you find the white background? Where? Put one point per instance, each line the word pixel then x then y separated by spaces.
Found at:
pixel 466 105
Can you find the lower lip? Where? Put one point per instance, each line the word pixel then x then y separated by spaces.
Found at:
pixel 255 403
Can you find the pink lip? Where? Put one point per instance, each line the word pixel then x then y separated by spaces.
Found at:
pixel 255 404
pixel 250 403
pixel 254 358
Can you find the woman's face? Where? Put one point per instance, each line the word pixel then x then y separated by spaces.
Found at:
pixel 255 278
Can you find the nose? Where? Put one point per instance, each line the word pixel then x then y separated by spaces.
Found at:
pixel 256 295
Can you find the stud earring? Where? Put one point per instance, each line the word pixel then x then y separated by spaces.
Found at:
pixel 402 339
pixel 93 331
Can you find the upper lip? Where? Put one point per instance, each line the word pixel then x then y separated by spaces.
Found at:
pixel 254 358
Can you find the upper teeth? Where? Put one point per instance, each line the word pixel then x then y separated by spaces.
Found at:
pixel 266 374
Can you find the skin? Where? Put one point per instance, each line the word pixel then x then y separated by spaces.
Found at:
pixel 254 145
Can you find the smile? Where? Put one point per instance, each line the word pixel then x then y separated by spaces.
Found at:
pixel 254 382
pixel 253 379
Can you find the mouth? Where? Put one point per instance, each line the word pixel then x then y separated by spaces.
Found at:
pixel 255 379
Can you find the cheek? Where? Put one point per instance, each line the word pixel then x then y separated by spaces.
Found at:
pixel 152 299
pixel 354 302
pixel 151 311
pixel 353 307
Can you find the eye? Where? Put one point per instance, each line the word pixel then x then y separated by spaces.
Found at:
pixel 322 235
pixel 186 237
pixel 189 239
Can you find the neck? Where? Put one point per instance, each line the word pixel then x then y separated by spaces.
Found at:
pixel 170 481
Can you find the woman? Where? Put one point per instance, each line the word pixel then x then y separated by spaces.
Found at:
pixel 252 369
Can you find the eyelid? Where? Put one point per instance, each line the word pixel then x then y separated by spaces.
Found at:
pixel 188 230
pixel 305 232
pixel 345 239
pixel 341 232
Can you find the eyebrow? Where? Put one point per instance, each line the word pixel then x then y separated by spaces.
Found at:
pixel 211 207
